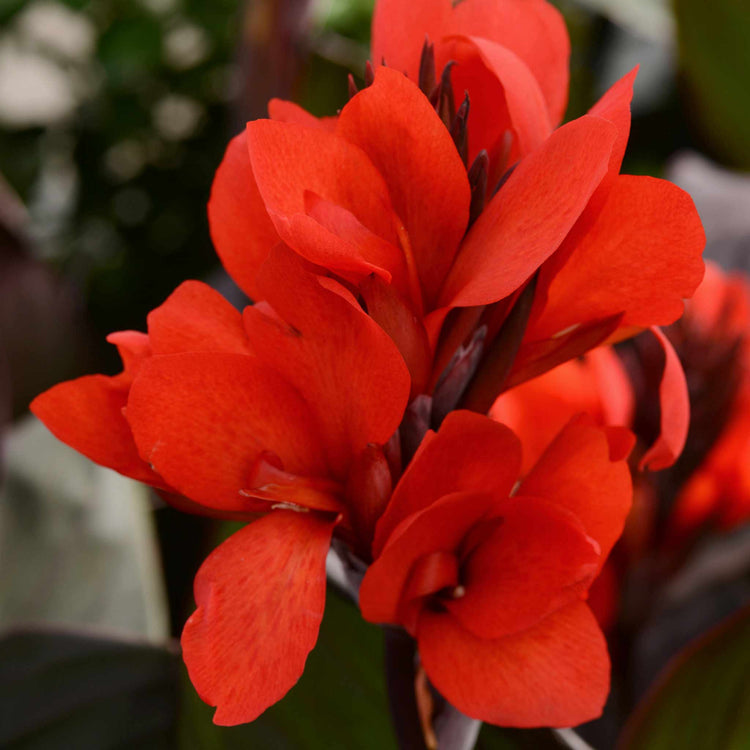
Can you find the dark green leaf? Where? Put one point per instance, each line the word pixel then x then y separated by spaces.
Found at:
pixel 702 699
pixel 715 58
pixel 61 690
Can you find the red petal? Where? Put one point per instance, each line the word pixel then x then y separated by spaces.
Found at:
pixel 535 561
pixel 554 674
pixel 531 214
pixel 133 347
pixel 241 229
pixel 292 161
pixel 387 308
pixel 397 127
pixel 399 30
pixel 504 95
pixel 260 599
pixel 614 106
pixel 350 373
pixel 538 409
pixel 470 453
pixel 87 414
pixel 675 411
pixel 641 256
pixel 202 420
pixel 195 318
pixel 284 111
pixel 438 528
pixel 576 472
pixel 532 29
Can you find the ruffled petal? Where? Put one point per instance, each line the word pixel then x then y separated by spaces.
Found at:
pixel 640 257
pixel 470 453
pixel 577 472
pixel 554 674
pixel 529 217
pixel 203 421
pixel 260 598
pixel 285 111
pixel 532 29
pixel 241 229
pixel 393 122
pixel 535 558
pixel 351 374
pixel 438 528
pixel 504 96
pixel 296 167
pixel 195 318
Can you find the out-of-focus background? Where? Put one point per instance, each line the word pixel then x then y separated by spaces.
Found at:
pixel 114 115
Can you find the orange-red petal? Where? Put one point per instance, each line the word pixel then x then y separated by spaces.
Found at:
pixel 438 528
pixel 554 674
pixel 393 122
pixel 241 228
pixel 195 318
pixel 536 559
pixel 577 472
pixel 640 257
pixel 291 162
pixel 352 376
pixel 470 453
pixel 260 598
pixel 529 217
pixel 202 420
pixel 674 403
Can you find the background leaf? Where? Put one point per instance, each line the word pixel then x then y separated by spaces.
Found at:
pixel 715 58
pixel 703 699
pixel 63 690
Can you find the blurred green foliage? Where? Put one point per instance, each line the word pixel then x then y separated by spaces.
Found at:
pixel 715 55
pixel 703 699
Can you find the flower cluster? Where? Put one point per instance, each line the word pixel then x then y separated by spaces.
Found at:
pixel 410 260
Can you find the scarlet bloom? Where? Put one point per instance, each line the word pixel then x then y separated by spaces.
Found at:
pixel 492 583
pixel 281 410
pixel 380 199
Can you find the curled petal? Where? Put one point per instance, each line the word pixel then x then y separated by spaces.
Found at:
pixel 536 559
pixel 196 318
pixel 470 453
pixel 529 217
pixel 241 228
pixel 393 122
pixel 260 598
pixel 438 528
pixel 577 472
pixel 202 420
pixel 640 257
pixel 675 411
pixel 554 674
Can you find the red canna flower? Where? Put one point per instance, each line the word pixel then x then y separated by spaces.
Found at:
pixel 382 201
pixel 281 409
pixel 492 582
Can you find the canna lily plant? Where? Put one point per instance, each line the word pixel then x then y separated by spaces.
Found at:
pixel 409 261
